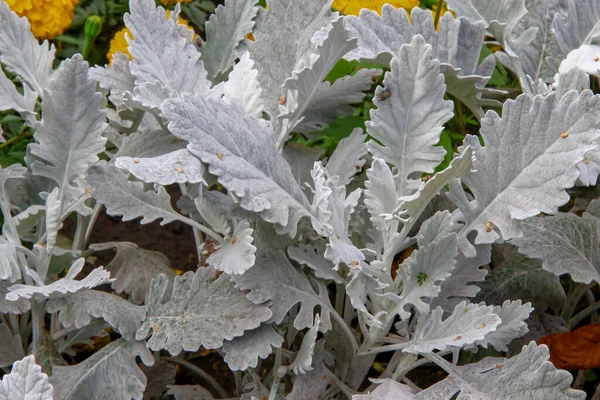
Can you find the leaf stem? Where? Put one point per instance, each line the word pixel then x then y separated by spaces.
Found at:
pixel 438 13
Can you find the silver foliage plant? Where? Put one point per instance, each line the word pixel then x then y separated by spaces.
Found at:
pixel 301 261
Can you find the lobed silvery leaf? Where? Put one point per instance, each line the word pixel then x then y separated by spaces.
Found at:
pixel 579 25
pixel 225 30
pixel 301 160
pixel 11 99
pixel 347 158
pixel 239 150
pixel 314 258
pixel 566 244
pixel 112 369
pixel 381 197
pixel 420 275
pixel 78 309
pixel 52 218
pixel 237 254
pixel 467 324
pixel 212 214
pixel 128 199
pixel 243 88
pixel 149 144
pixel 276 56
pixel 457 287
pixel 313 384
pixel 10 270
pixel 527 375
pixel 116 78
pixel 27 220
pixel 195 311
pixel 388 389
pixel 520 277
pixel 70 134
pixel 332 101
pixel 176 167
pixel 274 278
pixel 14 307
pixel 12 347
pixel 159 376
pixel 84 336
pixel 162 58
pixel 68 284
pixel 303 85
pixel 455 43
pixel 304 357
pixel 133 268
pixel 21 52
pixel 532 163
pixel 410 115
pixel 513 315
pixel 26 380
pixel 574 79
pixel 244 351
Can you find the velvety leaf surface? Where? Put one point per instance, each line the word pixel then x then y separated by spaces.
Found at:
pixel 26 381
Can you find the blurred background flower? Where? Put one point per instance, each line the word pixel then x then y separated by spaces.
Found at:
pixel 353 7
pixel 48 18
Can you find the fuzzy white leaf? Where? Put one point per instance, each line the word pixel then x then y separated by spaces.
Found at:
pixel 276 56
pixel 531 152
pixel 116 78
pixel 78 309
pixel 237 254
pixel 58 288
pixel 579 25
pixel 112 369
pixel 347 158
pixel 225 29
pixel 12 348
pixel 243 352
pixel 513 315
pixel 381 197
pixel 70 134
pixel 129 199
pixel 14 307
pixel 21 52
pixel 133 268
pixel 315 259
pixel 301 160
pixel 176 167
pixel 11 99
pixel 10 270
pixel 161 55
pixel 408 121
pixel 582 58
pixel 467 324
pixel 149 144
pixel 243 88
pixel 302 87
pixel 566 243
pixel 197 312
pixel 26 381
pixel 303 361
pixel 239 150
pixel 275 278
pixel 528 375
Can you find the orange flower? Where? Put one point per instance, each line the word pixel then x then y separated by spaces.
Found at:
pixel 48 18
pixel 353 7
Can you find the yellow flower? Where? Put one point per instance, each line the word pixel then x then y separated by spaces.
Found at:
pixel 352 7
pixel 119 43
pixel 48 18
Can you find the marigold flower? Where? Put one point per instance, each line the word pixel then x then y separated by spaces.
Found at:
pixel 48 18
pixel 353 7
pixel 119 43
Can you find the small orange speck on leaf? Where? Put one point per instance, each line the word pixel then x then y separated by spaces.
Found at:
pixel 489 226
pixel 481 326
pixel 564 135
pixel 136 161
pixel 234 239
pixel 179 169
pixel 282 100
pixel 458 337
pixel 219 156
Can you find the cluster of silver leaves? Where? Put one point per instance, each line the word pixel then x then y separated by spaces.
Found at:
pixel 284 226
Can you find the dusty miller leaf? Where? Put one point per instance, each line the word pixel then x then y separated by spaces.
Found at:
pixel 225 29
pixel 388 389
pixel 531 152
pixel 513 315
pixel 243 88
pixel 527 375
pixel 243 352
pixel 26 381
pixel 566 244
pixel 21 52
pixel 408 121
pixel 304 357
pixel 12 347
pixel 276 56
pixel 70 134
pixel 112 369
pixel 78 309
pixel 237 254
pixel 240 151
pixel 275 278
pixel 467 324
pixel 197 312
pixel 579 25
pixel 11 99
pixel 13 307
pixel 347 158
pixel 314 258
